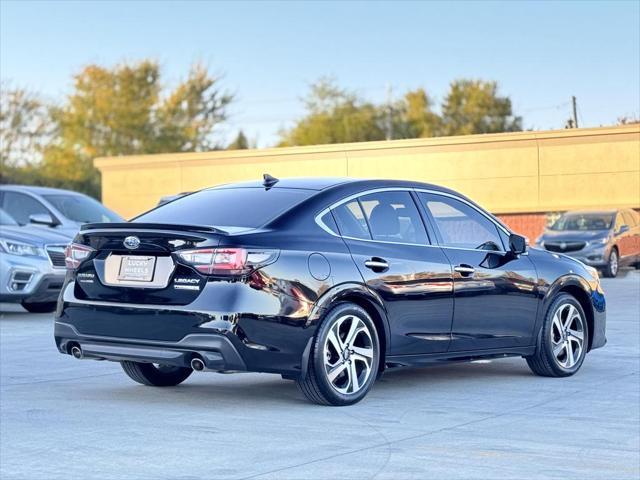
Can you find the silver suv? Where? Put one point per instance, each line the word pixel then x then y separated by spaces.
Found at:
pixel 36 224
pixel 62 210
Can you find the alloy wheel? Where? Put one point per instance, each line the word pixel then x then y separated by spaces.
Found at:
pixel 613 262
pixel 348 354
pixel 567 335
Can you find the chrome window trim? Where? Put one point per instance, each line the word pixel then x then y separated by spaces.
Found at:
pixel 323 212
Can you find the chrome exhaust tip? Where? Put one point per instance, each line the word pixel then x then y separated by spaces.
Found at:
pixel 76 351
pixel 197 364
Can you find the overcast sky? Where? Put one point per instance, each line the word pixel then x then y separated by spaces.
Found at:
pixel 541 53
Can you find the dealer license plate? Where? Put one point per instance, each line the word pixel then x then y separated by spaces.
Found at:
pixel 137 268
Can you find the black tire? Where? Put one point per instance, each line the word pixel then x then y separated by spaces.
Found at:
pixel 40 307
pixel 156 376
pixel 316 385
pixel 613 264
pixel 544 362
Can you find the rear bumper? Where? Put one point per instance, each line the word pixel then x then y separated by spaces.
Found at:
pixel 230 327
pixel 216 351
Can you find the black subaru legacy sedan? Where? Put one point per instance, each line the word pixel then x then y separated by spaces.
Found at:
pixel 327 282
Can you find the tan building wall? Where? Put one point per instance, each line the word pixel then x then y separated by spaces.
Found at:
pixel 510 173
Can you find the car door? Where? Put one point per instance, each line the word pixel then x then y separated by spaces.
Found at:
pixel 623 238
pixel 390 246
pixel 495 295
pixel 632 219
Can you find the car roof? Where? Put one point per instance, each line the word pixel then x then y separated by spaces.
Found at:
pixel 324 183
pixel 37 190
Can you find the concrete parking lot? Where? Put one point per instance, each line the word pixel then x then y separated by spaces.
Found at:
pixel 64 418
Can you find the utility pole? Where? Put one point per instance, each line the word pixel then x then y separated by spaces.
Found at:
pixel 389 114
pixel 575 111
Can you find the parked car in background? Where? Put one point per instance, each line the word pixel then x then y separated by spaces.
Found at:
pixel 324 281
pixel 32 266
pixel 61 210
pixel 603 239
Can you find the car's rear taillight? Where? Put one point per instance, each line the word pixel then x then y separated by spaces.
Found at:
pixel 227 261
pixel 75 254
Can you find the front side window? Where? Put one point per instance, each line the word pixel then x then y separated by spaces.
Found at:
pixel 393 217
pixel 630 218
pixel 21 206
pixel 6 219
pixel 460 225
pixel 620 222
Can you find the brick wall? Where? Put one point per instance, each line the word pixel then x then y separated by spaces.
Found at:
pixel 531 225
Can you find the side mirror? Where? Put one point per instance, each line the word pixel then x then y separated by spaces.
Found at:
pixel 42 219
pixel 623 229
pixel 517 244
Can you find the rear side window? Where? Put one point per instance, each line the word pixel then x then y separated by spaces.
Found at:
pixel 227 207
pixel 351 221
pixel 393 217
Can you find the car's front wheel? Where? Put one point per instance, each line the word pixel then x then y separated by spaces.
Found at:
pixel 613 263
pixel 343 363
pixel 156 375
pixel 563 341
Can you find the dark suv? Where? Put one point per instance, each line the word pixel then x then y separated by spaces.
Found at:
pixel 604 239
pixel 324 281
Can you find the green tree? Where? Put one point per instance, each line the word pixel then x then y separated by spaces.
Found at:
pixel 240 143
pixel 474 106
pixel 413 116
pixel 25 127
pixel 125 111
pixel 334 115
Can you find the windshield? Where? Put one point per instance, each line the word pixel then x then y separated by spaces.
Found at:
pixel 6 219
pixel 584 221
pixel 81 209
pixel 227 208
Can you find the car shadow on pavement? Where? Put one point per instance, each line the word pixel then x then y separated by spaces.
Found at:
pixel 207 390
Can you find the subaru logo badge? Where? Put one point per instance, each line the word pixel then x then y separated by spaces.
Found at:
pixel 563 245
pixel 131 242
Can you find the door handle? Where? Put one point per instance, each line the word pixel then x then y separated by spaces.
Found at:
pixel 377 264
pixel 464 270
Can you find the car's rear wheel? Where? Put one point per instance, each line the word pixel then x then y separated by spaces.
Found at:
pixel 563 341
pixel 39 307
pixel 613 264
pixel 344 358
pixel 156 375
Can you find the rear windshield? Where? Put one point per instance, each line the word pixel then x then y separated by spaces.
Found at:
pixel 227 207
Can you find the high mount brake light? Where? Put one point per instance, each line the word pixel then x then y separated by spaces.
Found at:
pixel 227 261
pixel 75 254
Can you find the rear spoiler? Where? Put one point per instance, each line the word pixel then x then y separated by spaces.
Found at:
pixel 149 226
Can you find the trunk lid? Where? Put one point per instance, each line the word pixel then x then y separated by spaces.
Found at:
pixel 134 262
